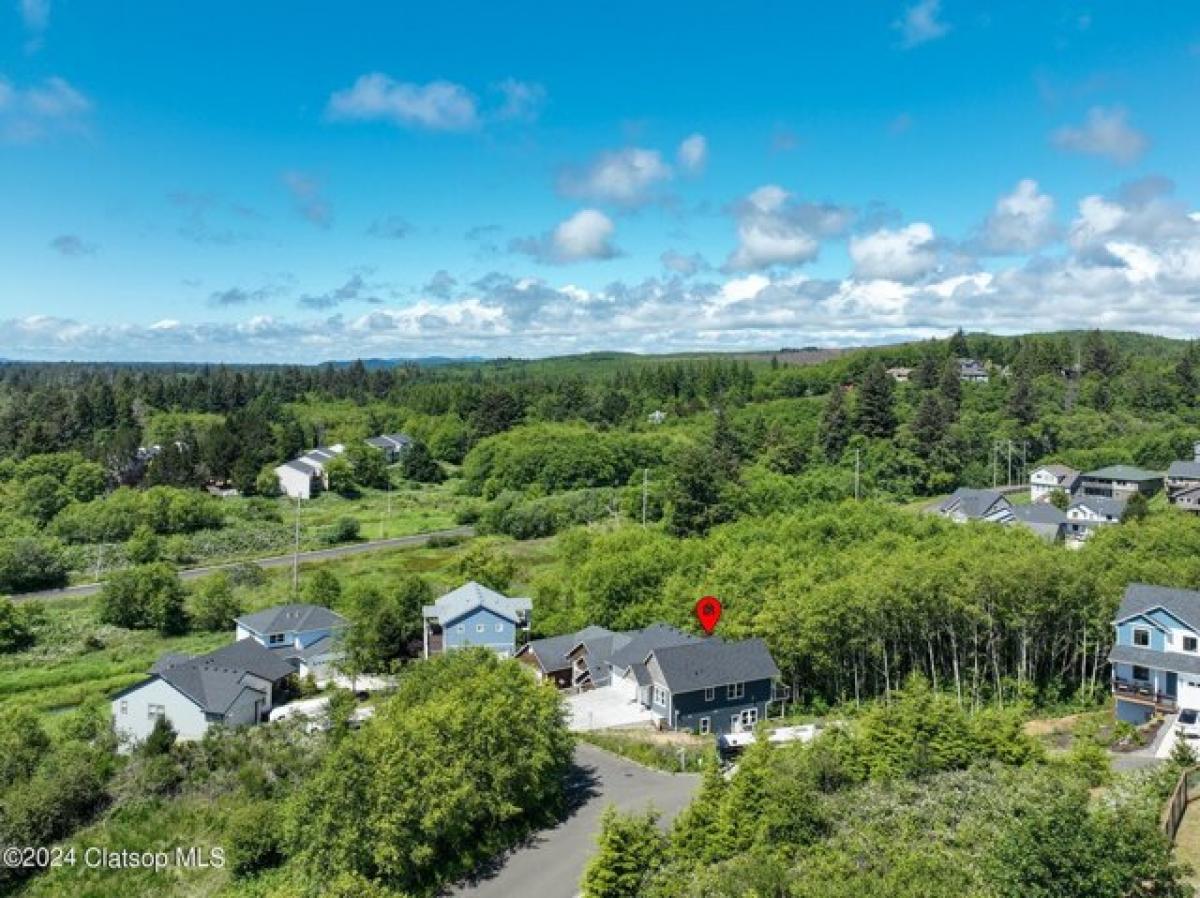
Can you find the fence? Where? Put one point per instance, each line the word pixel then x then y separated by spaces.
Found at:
pixel 1177 805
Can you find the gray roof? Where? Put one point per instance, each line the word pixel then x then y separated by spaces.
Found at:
pixel 215 680
pixel 1059 471
pixel 299 464
pixel 1123 472
pixel 472 595
pixel 642 642
pixel 1043 519
pixel 326 645
pixel 714 662
pixel 1176 661
pixel 390 441
pixel 1102 504
pixel 299 617
pixel 974 503
pixel 1187 470
pixel 552 651
pixel 1181 603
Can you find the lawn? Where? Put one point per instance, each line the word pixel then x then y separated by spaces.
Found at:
pixel 77 658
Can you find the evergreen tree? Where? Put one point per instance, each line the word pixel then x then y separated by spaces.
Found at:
pixel 835 424
pixel 875 413
pixel 929 424
pixel 418 464
pixel 928 370
pixel 1020 398
pixel 696 834
pixel 630 849
pixel 697 492
pixel 1099 355
pixel 950 386
pixel 958 345
pixel 1187 377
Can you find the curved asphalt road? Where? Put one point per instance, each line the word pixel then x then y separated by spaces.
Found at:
pixel 193 573
pixel 551 863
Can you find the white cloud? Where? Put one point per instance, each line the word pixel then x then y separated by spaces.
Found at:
pixel 1022 221
pixel 920 24
pixel 904 255
pixel 436 106
pixel 586 235
pixel 28 114
pixel 1106 132
pixel 522 100
pixel 624 177
pixel 693 153
pixel 775 230
pixel 682 264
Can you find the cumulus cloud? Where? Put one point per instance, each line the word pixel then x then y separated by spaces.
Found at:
pixel 586 235
pixel 441 285
pixel 31 113
pixel 774 229
pixel 1143 212
pixel 693 154
pixel 906 254
pixel 436 106
pixel 241 296
pixel 72 245
pixel 1021 222
pixel 1105 132
pixel 207 218
pixel 624 177
pixel 920 24
pixel 310 202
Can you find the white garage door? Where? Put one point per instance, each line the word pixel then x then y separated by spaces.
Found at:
pixel 626 687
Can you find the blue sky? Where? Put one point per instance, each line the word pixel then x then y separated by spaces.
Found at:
pixel 299 181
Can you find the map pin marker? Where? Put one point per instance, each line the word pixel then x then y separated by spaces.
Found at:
pixel 708 612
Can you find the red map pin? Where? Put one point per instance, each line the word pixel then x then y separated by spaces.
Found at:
pixel 708 612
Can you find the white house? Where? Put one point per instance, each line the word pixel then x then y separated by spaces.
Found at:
pixel 302 477
pixel 232 686
pixel 969 504
pixel 1048 479
pixel 1086 513
pixel 307 637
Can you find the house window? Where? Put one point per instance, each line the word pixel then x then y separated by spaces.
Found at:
pixel 277 638
pixel 1141 637
pixel 735 690
pixel 153 712
pixel 479 628
pixel 710 693
pixel 749 718
pixel 1189 643
pixel 124 706
pixel 705 726
pixel 660 696
pixel 1142 674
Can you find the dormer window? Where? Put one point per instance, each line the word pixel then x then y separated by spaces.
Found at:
pixel 1189 643
pixel 1141 637
pixel 277 638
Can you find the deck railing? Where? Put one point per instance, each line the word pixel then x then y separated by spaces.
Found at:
pixel 1144 693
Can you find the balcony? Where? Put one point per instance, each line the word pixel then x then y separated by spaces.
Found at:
pixel 1144 694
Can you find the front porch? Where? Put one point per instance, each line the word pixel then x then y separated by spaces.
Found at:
pixel 1142 692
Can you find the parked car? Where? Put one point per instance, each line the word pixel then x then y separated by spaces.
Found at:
pixel 1188 724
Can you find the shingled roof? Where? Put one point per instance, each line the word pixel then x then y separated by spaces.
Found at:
pixel 1183 604
pixel 714 662
pixel 292 617
pixel 472 595
pixel 552 651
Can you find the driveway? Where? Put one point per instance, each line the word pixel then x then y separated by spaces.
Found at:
pixel 551 864
pixel 271 561
pixel 599 709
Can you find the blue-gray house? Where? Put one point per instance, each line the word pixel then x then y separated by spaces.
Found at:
pixel 1156 657
pixel 306 636
pixel 474 615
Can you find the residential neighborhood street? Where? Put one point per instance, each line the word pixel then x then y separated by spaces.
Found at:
pixel 551 863
pixel 273 561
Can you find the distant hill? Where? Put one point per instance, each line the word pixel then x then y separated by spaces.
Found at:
pixel 429 361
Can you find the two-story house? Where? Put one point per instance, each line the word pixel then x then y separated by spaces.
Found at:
pixel 972 371
pixel 236 685
pixel 474 615
pixel 969 504
pixel 392 445
pixel 602 660
pixel 1119 482
pixel 308 637
pixel 1183 482
pixel 1086 513
pixel 1156 656
pixel 1046 480
pixel 707 685
pixel 550 657
pixel 305 476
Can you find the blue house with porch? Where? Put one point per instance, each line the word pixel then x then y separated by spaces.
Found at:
pixel 1156 657
pixel 474 615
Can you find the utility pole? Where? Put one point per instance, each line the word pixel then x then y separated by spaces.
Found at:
pixel 645 479
pixel 1010 451
pixel 993 465
pixel 296 554
pixel 857 468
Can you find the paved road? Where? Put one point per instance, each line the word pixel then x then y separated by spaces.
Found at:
pixel 192 573
pixel 551 864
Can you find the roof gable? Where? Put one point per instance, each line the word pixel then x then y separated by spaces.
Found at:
pixel 714 662
pixel 1182 604
pixel 297 617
